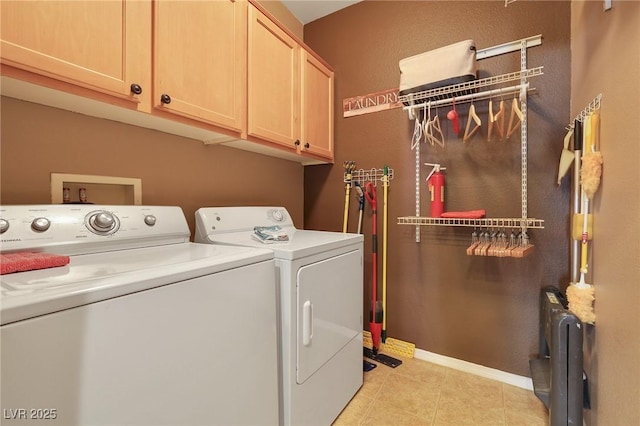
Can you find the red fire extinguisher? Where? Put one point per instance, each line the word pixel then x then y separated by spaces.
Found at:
pixel 435 180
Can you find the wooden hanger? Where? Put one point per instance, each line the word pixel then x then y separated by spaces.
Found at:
pixel 481 249
pixel 472 117
pixel 475 241
pixel 499 118
pixel 510 245
pixel 496 120
pixel 523 248
pixel 495 244
pixel 502 243
pixel 491 120
pixel 515 111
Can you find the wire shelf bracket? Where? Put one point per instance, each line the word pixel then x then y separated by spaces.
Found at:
pixel 446 95
pixel 593 106
pixel 368 175
pixel 512 46
pixel 504 223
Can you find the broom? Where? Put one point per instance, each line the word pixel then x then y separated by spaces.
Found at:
pixel 591 169
pixel 349 167
pixel 385 186
pixel 391 345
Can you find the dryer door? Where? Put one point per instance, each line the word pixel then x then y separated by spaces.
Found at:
pixel 329 310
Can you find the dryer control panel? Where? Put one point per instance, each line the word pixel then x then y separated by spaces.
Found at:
pixel 213 220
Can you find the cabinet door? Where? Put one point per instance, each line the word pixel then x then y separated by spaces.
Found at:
pixel 99 45
pixel 274 82
pixel 317 108
pixel 199 60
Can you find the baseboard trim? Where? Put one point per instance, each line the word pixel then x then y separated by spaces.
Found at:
pixel 479 370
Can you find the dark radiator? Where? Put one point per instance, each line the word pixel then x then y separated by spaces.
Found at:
pixel 558 374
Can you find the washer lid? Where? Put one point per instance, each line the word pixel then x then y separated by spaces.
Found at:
pixel 302 243
pixel 93 277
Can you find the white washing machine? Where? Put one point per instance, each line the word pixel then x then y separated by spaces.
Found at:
pixel 142 327
pixel 321 291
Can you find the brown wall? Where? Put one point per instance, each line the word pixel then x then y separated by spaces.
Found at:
pixel 606 59
pixel 481 310
pixel 38 140
pixel 284 16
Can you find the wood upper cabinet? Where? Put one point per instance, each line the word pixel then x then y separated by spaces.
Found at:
pixel 274 83
pixel 103 46
pixel 199 60
pixel 220 71
pixel 317 107
pixel 290 92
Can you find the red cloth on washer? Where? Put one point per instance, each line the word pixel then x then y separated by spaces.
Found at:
pixel 27 261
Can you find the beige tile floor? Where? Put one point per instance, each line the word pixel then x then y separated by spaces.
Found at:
pixel 421 393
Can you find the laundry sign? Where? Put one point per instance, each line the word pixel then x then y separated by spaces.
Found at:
pixel 373 102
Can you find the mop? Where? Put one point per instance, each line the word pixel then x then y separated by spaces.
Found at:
pixel 366 365
pixel 591 169
pixel 349 167
pixel 581 295
pixel 394 346
pixel 377 313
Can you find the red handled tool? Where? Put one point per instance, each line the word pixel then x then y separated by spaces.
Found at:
pixel 376 315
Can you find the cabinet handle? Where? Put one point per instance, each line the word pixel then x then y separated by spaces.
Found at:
pixel 136 89
pixel 165 99
pixel 297 142
pixel 306 145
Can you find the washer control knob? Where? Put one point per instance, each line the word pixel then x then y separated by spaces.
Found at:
pixel 150 219
pixel 4 226
pixel 278 215
pixel 40 224
pixel 103 221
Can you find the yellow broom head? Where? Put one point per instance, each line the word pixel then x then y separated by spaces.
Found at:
pixel 581 299
pixel 590 172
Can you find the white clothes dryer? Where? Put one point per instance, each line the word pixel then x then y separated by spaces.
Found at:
pixel 321 298
pixel 142 327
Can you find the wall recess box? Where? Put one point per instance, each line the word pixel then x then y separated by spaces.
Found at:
pixel 99 189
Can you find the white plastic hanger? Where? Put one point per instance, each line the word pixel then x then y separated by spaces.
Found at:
pixel 417 131
pixel 426 123
pixel 436 136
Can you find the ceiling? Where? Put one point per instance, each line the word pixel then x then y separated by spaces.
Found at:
pixel 309 10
